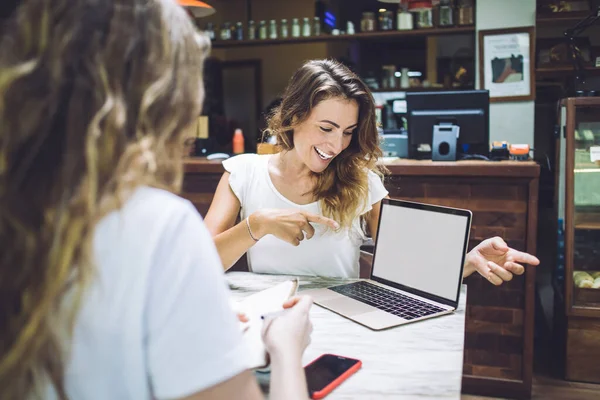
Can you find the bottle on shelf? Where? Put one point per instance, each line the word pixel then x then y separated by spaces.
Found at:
pixel 238 142
pixel 385 20
pixel 295 28
pixel 424 17
pixel 262 29
pixel 305 27
pixel 350 28
pixel 225 31
pixel 445 13
pixel 465 13
pixel 404 19
pixel 367 22
pixel 284 29
pixel 239 31
pixel 210 30
pixel 316 26
pixel 273 29
pixel 251 30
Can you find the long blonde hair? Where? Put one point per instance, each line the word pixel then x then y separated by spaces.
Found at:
pixel 342 189
pixel 94 99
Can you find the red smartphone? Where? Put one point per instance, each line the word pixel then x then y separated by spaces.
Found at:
pixel 327 372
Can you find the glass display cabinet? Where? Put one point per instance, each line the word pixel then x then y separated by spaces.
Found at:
pixel 578 272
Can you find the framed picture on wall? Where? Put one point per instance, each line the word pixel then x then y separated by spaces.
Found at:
pixel 506 63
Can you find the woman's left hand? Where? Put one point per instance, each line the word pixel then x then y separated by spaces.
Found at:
pixel 497 262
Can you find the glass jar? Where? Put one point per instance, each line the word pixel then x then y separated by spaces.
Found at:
pixel 316 26
pixel 446 13
pixel 284 29
pixel 465 13
pixel 424 18
pixel 262 29
pixel 385 20
pixel 404 19
pixel 226 31
pixel 272 29
pixel 367 23
pixel 251 30
pixel 210 30
pixel 239 31
pixel 350 28
pixel 305 27
pixel 295 27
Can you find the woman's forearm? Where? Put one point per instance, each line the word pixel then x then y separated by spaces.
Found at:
pixel 287 378
pixel 233 243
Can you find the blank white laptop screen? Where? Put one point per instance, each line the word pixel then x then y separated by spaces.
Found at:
pixel 421 249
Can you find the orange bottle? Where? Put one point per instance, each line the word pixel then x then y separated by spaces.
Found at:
pixel 238 142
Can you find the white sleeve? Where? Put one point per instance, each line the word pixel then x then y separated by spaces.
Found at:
pixel 240 170
pixel 377 190
pixel 193 340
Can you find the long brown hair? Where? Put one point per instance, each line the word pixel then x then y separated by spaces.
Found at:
pixel 342 189
pixel 94 99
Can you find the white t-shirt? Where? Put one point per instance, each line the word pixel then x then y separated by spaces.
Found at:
pixel 328 253
pixel 156 321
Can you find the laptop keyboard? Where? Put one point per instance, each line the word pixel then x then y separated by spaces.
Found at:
pixel 387 300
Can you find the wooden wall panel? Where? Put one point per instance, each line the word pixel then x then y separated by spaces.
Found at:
pixel 583 350
pixel 200 188
pixel 494 337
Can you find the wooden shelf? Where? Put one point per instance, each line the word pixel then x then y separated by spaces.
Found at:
pixel 586 225
pixel 588 298
pixel 563 17
pixel 581 101
pixel 565 70
pixel 379 35
pixel 421 89
pixel 590 226
pixel 587 220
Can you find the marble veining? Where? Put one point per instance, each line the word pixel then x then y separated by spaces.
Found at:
pixel 422 360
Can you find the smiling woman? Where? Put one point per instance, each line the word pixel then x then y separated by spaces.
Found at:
pixel 326 174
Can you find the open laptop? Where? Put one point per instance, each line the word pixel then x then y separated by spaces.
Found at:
pixel 417 267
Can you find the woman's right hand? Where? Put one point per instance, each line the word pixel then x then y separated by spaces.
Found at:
pixel 289 332
pixel 291 226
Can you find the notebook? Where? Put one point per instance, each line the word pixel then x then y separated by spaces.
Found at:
pixel 254 306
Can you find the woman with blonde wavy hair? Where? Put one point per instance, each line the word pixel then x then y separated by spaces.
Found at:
pixel 324 186
pixel 110 284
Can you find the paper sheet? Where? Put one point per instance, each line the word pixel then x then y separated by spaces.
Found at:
pixel 254 306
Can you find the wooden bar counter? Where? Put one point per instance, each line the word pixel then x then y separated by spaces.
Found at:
pixel 503 196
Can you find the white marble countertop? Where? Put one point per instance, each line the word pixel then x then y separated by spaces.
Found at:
pixel 422 360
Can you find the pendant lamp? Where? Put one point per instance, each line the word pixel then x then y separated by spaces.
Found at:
pixel 197 8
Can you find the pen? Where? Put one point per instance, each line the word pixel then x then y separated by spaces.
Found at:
pixel 273 314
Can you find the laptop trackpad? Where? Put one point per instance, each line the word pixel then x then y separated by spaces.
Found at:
pixel 347 306
pixel 379 320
